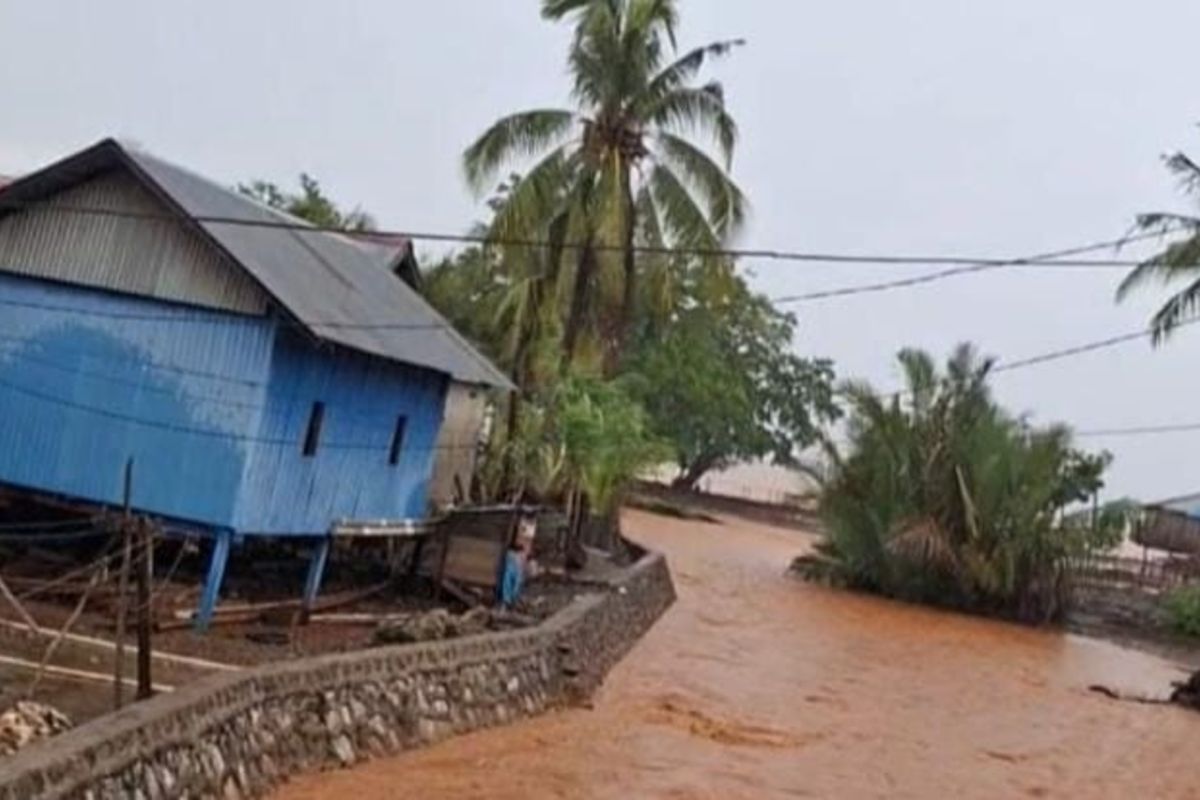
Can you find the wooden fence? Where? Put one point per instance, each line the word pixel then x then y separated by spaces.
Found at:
pixel 1155 575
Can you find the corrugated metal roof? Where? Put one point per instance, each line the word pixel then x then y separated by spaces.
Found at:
pixel 341 289
pixel 1188 504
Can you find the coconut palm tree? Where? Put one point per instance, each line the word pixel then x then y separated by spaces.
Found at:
pixel 619 170
pixel 1178 262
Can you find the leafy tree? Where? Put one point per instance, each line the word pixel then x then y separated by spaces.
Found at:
pixel 1178 262
pixel 606 440
pixel 944 497
pixel 722 384
pixel 617 171
pixel 581 437
pixel 468 290
pixel 309 204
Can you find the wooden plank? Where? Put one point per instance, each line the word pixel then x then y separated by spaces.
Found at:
pixel 105 644
pixel 473 561
pixel 67 672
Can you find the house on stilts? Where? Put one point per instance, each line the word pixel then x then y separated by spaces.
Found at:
pixel 264 378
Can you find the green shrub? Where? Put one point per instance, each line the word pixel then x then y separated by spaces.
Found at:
pixel 943 497
pixel 1183 610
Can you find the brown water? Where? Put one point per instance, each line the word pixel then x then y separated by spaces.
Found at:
pixel 755 685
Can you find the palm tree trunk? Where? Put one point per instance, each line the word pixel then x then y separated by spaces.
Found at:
pixel 579 298
pixel 511 424
pixel 621 340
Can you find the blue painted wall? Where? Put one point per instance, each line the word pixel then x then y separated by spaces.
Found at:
pixel 349 476
pixel 89 379
pixel 213 409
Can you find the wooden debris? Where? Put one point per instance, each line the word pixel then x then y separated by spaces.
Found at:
pixel 459 593
pixel 252 612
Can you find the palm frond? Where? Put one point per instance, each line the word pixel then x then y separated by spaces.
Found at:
pixel 682 218
pixel 697 110
pixel 647 16
pixel 1177 260
pixel 1184 168
pixel 558 9
pixel 923 542
pixel 1181 307
pixel 725 202
pixel 536 197
pixel 517 136
pixel 920 378
pixel 677 74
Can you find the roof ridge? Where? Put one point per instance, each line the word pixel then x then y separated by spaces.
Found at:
pixel 322 275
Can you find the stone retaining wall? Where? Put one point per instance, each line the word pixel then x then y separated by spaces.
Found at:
pixel 239 735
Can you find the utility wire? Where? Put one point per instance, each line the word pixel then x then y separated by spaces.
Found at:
pixel 1042 260
pixel 1051 260
pixel 961 266
pixel 1148 430
pixel 1081 349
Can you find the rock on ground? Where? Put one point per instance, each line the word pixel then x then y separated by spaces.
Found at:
pixel 1188 693
pixel 27 722
pixel 431 626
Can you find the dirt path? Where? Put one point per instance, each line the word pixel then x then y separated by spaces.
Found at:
pixel 757 686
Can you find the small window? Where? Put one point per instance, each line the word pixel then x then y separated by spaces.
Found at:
pixel 312 437
pixel 397 440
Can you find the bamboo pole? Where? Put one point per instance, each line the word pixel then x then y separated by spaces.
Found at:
pixel 52 648
pixel 123 584
pixel 20 609
pixel 145 574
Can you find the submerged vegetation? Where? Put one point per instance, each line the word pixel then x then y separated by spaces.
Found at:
pixel 943 497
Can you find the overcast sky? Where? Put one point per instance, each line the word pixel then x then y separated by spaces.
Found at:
pixel 928 127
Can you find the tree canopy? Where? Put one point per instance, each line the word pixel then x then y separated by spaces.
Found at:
pixel 943 496
pixel 722 383
pixel 618 170
pixel 310 204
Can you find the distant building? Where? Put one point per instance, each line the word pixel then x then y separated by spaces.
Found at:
pixel 1171 526
pixel 1187 504
pixel 262 380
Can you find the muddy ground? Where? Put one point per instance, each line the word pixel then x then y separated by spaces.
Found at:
pixel 267 639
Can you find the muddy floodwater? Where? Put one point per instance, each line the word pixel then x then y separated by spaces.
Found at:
pixel 757 686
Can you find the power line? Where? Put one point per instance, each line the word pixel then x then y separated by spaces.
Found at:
pixel 1087 347
pixel 1054 259
pixel 1059 260
pixel 1067 352
pixel 1042 260
pixel 1148 430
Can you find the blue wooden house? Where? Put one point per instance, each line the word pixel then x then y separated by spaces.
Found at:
pixel 264 378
